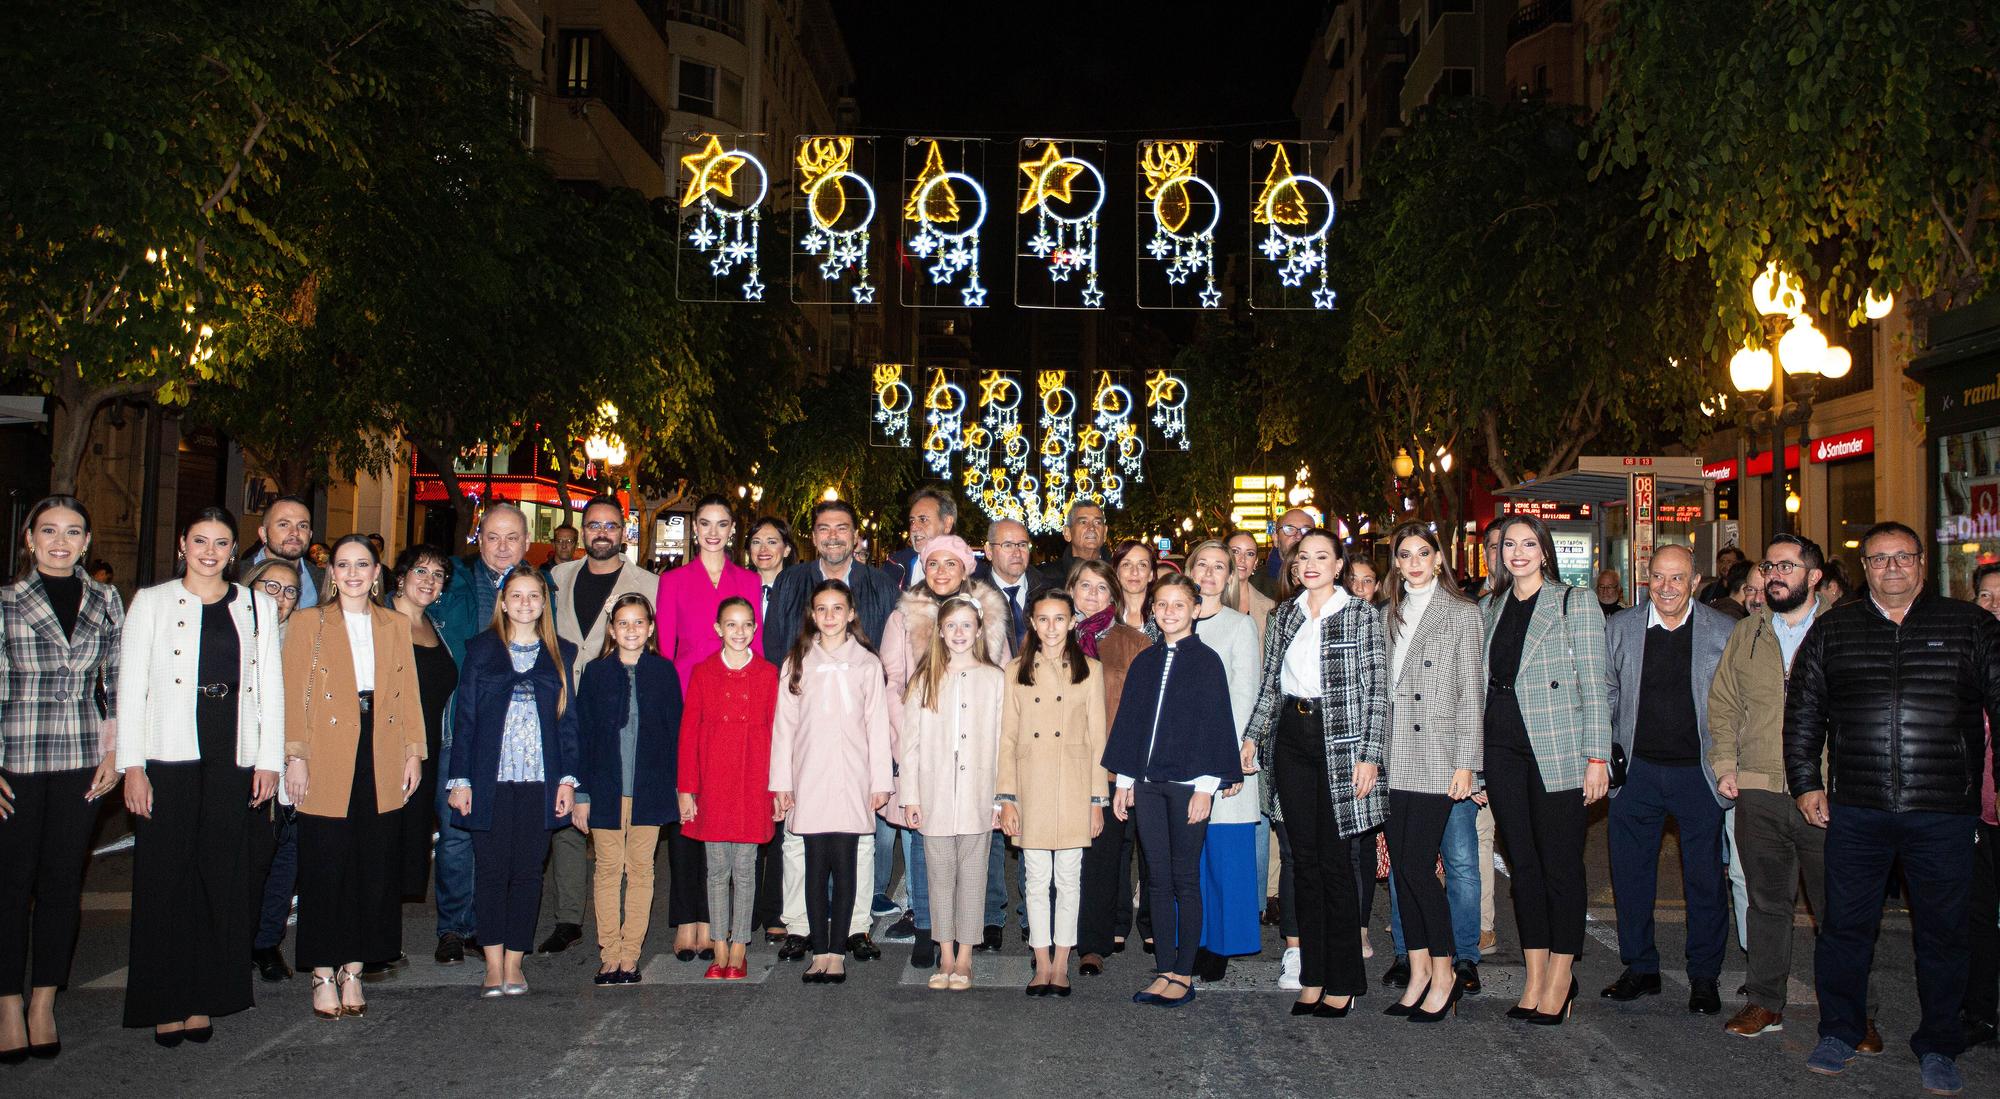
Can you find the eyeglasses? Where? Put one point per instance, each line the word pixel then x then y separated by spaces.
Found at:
pixel 1290 530
pixel 603 527
pixel 275 590
pixel 1012 545
pixel 1880 561
pixel 1782 568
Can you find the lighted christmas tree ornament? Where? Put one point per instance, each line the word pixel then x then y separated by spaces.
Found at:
pixel 1295 211
pixel 944 212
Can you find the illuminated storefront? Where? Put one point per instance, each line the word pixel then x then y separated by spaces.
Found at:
pixel 1961 379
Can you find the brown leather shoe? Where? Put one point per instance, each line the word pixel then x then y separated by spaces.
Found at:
pixel 1870 1044
pixel 1488 940
pixel 1753 1020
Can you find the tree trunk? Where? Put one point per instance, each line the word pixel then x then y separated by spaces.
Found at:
pixel 454 491
pixel 76 406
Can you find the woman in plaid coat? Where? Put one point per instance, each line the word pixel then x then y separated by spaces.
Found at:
pixel 59 634
pixel 1319 732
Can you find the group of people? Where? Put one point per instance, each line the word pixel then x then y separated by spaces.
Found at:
pixel 783 731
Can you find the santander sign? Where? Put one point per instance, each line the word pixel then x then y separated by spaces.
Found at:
pixel 1850 444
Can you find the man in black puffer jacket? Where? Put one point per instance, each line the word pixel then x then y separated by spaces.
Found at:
pixel 1894 690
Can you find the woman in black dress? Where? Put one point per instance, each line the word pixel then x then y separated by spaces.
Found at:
pixel 421 573
pixel 200 738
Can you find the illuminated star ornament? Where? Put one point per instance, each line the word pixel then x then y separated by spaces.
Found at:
pixel 943 213
pixel 721 216
pixel 1114 438
pixel 1047 509
pixel 1296 211
pixel 1061 197
pixel 1181 210
pixel 999 427
pixel 1166 408
pixel 839 208
pixel 893 400
pixel 944 423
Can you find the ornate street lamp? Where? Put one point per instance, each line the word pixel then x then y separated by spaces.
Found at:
pixel 1776 383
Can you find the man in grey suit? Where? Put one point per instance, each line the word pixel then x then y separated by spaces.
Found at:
pixel 1660 663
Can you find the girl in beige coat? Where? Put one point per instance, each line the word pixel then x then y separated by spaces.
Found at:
pixel 951 741
pixel 1051 787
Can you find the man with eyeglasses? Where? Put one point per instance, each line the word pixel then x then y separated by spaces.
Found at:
pixel 1006 568
pixel 1773 842
pixel 1885 733
pixel 583 588
pixel 1083 535
pixel 1291 527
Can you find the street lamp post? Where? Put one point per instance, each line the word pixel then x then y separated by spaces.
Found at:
pixel 1795 356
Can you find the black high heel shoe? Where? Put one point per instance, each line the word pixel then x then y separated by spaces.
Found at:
pixel 14 1056
pixel 1324 1010
pixel 1300 1008
pixel 169 1041
pixel 201 1034
pixel 684 955
pixel 1562 1013
pixel 46 1051
pixel 1419 1015
pixel 1402 1010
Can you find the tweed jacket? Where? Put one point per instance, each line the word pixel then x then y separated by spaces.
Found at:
pixel 1569 719
pixel 1625 659
pixel 1438 701
pixel 323 721
pixel 159 654
pixel 1354 714
pixel 50 719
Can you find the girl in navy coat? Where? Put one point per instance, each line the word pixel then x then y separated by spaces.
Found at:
pixel 513 768
pixel 1172 750
pixel 629 731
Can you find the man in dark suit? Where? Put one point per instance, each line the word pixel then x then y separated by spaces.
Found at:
pixel 1084 534
pixel 933 514
pixel 1006 568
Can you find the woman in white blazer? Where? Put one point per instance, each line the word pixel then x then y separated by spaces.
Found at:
pixel 201 736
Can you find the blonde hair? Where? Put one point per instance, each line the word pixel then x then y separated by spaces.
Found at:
pixel 545 629
pixel 929 676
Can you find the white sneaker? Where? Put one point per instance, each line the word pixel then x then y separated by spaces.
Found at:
pixel 1288 974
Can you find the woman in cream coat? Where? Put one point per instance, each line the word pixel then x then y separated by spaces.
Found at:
pixel 1232 874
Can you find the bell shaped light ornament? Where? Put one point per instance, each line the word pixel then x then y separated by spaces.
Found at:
pixel 1777 293
pixel 1750 369
pixel 1801 350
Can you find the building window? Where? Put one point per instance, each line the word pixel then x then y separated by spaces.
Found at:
pixel 697 91
pixel 729 107
pixel 716 15
pixel 1968 502
pixel 1442 8
pixel 1850 510
pixel 1452 84
pixel 1541 79
pixel 575 52
pixel 591 69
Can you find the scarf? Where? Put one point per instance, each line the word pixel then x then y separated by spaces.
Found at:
pixel 1092 628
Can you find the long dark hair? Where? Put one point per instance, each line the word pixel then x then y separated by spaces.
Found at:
pixel 1447 587
pixel 1541 532
pixel 1126 548
pixel 1287 585
pixel 42 507
pixel 1072 654
pixel 795 658
pixel 634 599
pixel 215 513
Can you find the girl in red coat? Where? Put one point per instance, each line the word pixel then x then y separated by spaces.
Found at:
pixel 725 766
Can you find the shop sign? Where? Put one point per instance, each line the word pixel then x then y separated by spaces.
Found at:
pixel 1759 465
pixel 1847 444
pixel 1720 471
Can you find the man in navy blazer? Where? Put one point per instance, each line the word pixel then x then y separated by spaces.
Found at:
pixel 1660 660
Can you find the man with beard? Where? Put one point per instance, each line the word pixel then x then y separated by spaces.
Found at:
pixel 582 590
pixel 287 533
pixel 1746 716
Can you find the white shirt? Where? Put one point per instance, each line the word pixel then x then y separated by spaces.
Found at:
pixel 361 639
pixel 1299 676
pixel 1653 617
pixel 1414 602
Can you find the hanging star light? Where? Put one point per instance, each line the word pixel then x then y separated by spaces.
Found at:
pixel 944 422
pixel 1064 194
pixel 1166 407
pixel 721 217
pixel 1111 424
pixel 1050 506
pixel 839 216
pixel 1181 210
pixel 893 400
pixel 943 216
pixel 1297 212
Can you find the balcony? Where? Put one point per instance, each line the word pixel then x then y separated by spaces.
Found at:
pixel 1536 17
pixel 722 16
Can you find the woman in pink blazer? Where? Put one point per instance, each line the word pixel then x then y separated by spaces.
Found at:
pixel 831 764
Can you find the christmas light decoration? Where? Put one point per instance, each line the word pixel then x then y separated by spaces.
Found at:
pixel 835 219
pixel 1296 211
pixel 943 213
pixel 944 423
pixel 1166 408
pixel 1061 196
pixel 893 400
pixel 1114 437
pixel 1178 213
pixel 721 219
pixel 1047 510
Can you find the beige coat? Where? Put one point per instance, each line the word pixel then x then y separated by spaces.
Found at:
pixel 1051 752
pixel 951 754
pixel 323 710
pixel 632 580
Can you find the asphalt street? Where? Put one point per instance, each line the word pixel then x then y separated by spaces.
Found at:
pixel 884 1034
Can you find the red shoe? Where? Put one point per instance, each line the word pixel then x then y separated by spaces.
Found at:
pixel 735 973
pixel 716 973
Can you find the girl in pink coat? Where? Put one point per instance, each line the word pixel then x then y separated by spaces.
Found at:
pixel 831 762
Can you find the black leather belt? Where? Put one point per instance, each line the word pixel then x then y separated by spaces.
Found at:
pixel 1306 706
pixel 367 699
pixel 213 690
pixel 1496 685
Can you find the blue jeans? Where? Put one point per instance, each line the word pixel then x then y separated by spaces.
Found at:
pixel 996 882
pixel 453 861
pixel 885 856
pixel 279 886
pixel 1936 850
pixel 1653 792
pixel 1461 883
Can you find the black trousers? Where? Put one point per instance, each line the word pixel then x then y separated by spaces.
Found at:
pixel 507 867
pixel 1416 832
pixel 1174 867
pixel 830 871
pixel 1105 907
pixel 1322 862
pixel 687 878
pixel 1288 901
pixel 1361 853
pixel 44 847
pixel 191 893
pixel 1982 989
pixel 1543 832
pixel 350 875
pixel 770 906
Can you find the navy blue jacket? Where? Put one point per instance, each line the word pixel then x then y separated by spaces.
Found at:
pixel 479 718
pixel 1197 734
pixel 602 704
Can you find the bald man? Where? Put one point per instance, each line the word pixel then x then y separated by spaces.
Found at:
pixel 1660 665
pixel 1292 526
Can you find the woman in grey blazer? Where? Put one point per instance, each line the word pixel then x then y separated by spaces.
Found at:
pixel 1548 743
pixel 59 634
pixel 1437 685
